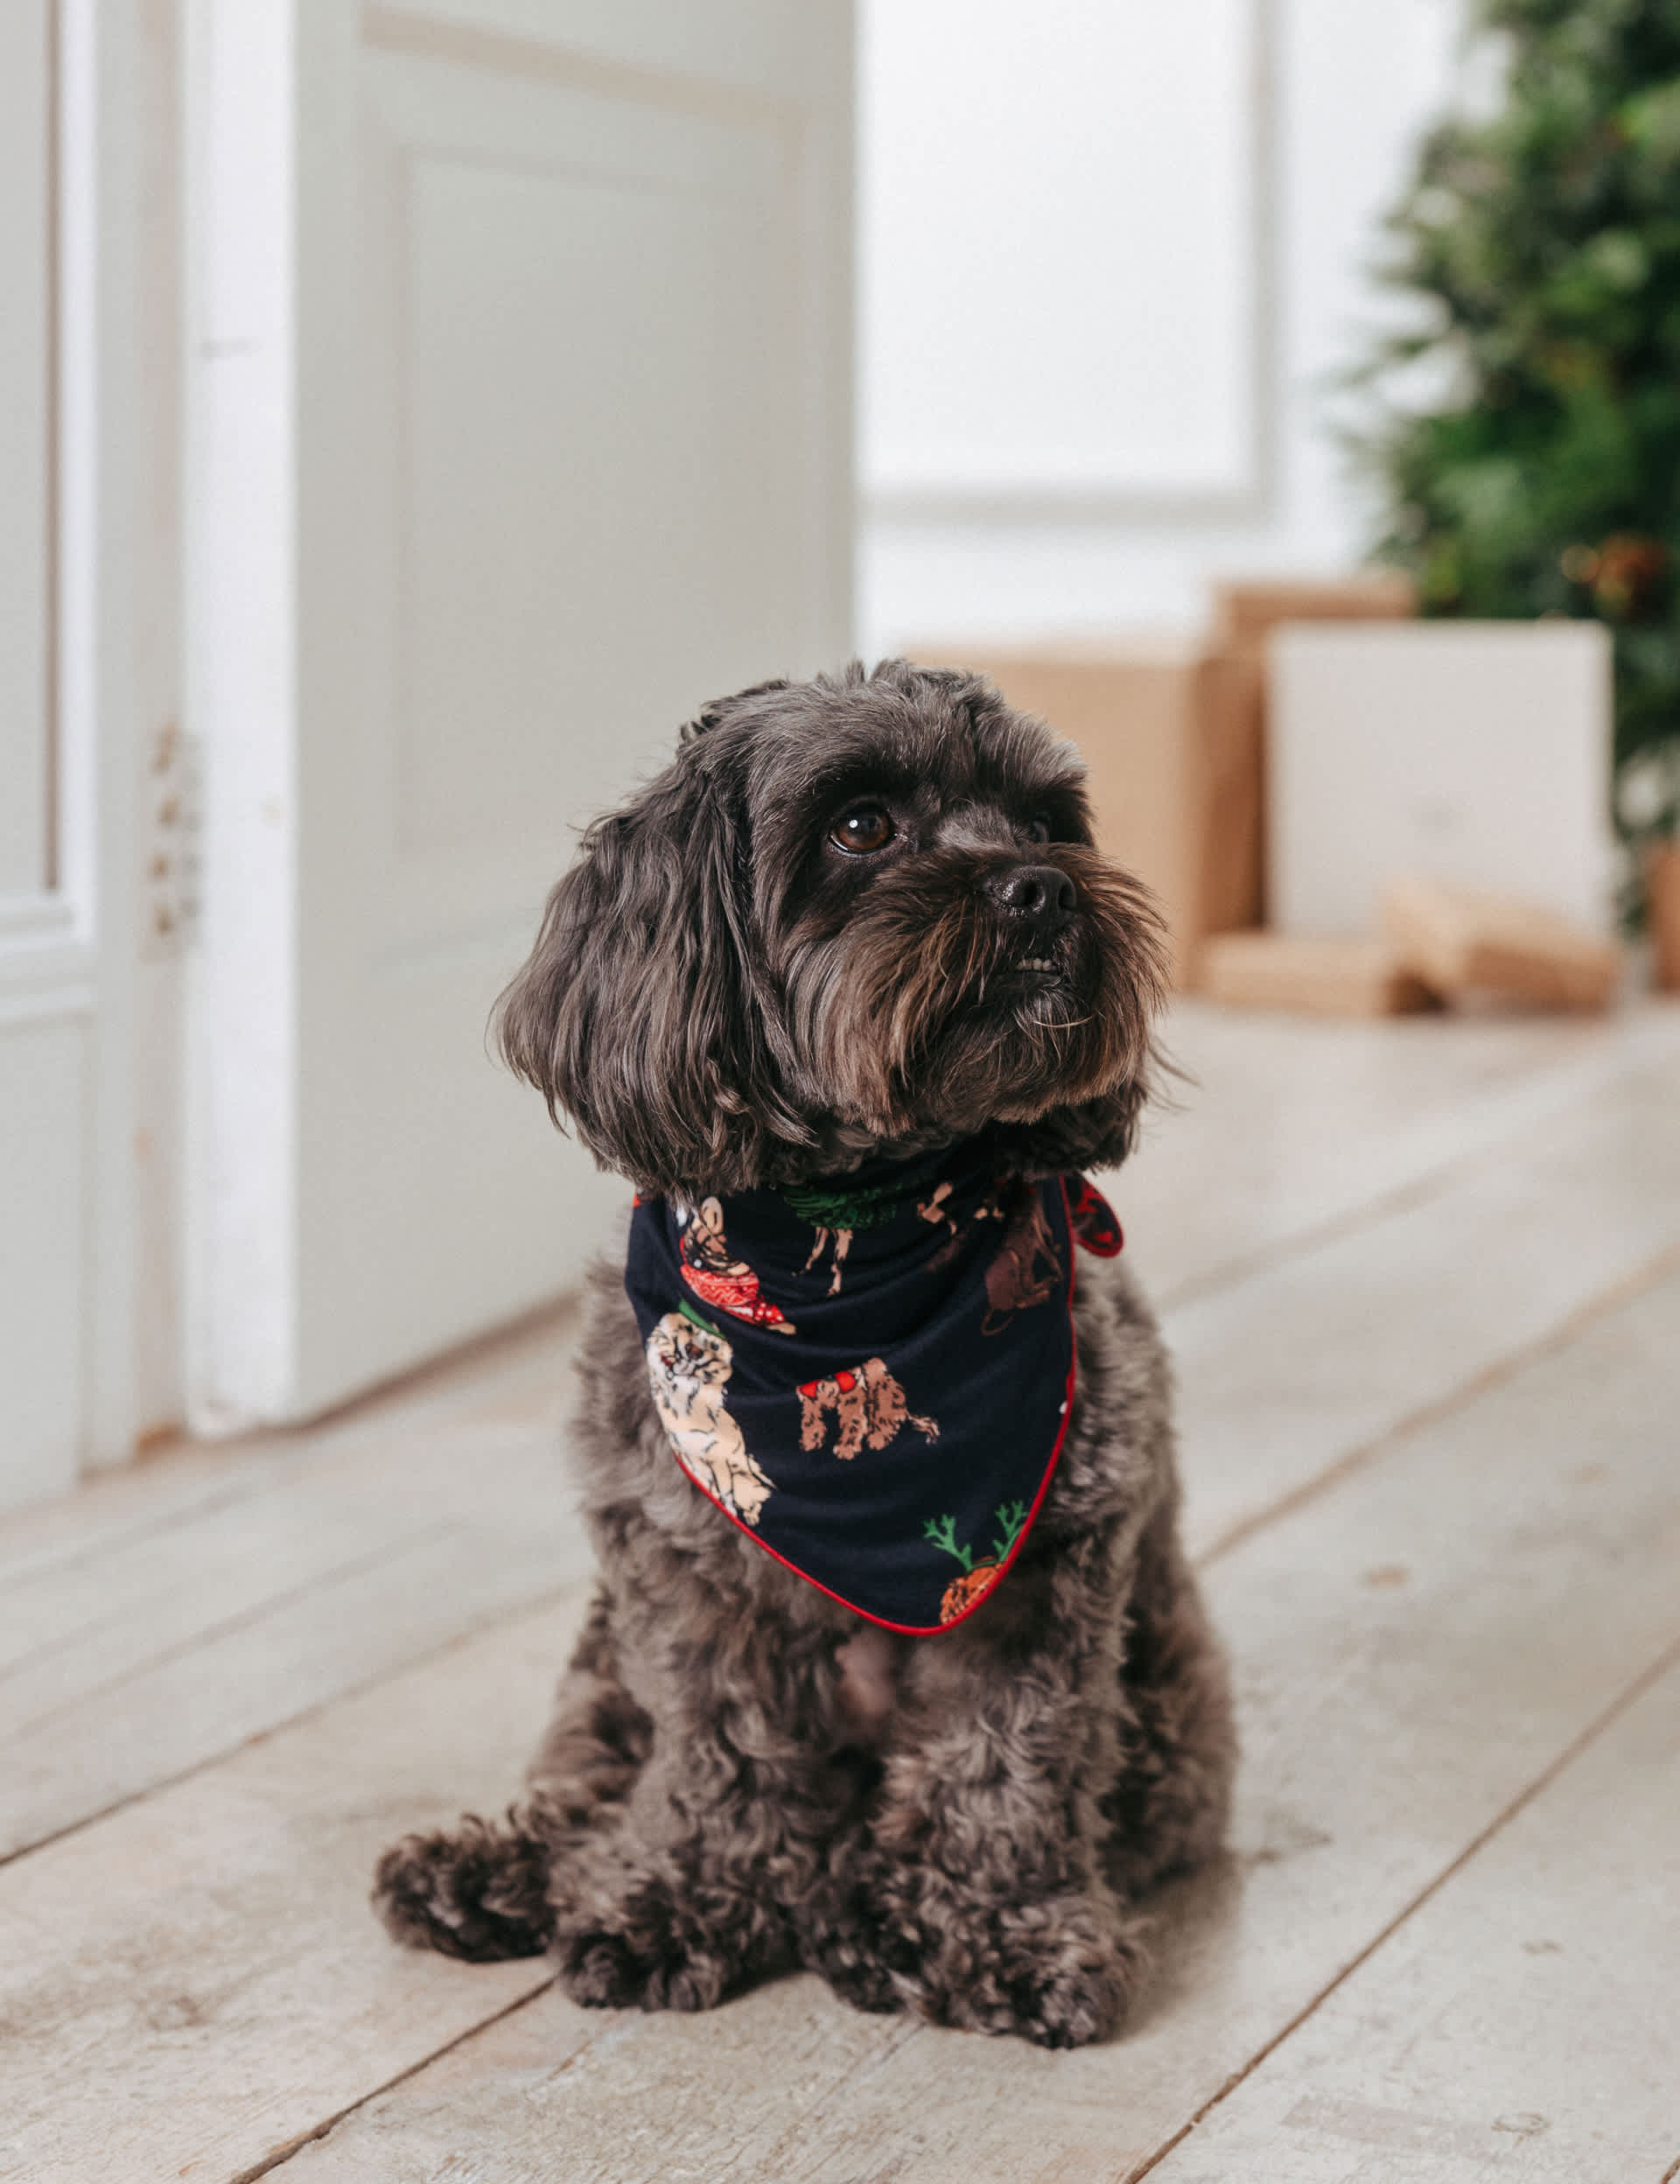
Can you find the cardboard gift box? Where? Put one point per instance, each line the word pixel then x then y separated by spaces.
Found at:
pixel 1663 892
pixel 1246 616
pixel 1464 940
pixel 1246 613
pixel 1269 970
pixel 1472 752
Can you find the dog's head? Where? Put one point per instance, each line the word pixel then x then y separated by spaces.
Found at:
pixel 854 914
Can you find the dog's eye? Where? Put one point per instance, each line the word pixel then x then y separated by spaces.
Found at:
pixel 1037 828
pixel 867 827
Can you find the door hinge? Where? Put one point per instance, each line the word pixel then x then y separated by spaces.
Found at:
pixel 171 809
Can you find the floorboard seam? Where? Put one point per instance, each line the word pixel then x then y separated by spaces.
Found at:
pixel 47 1563
pixel 894 2044
pixel 1418 1190
pixel 320 1580
pixel 282 2154
pixel 1564 1332
pixel 1668 1659
pixel 1399 1198
pixel 265 1451
pixel 536 1606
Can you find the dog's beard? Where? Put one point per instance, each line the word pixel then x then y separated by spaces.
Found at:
pixel 925 1011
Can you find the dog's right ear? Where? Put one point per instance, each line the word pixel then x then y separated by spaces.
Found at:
pixel 723 709
pixel 635 1016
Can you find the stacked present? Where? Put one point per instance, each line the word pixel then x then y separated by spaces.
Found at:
pixel 1437 943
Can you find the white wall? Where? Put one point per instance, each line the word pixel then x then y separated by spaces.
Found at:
pixel 1112 252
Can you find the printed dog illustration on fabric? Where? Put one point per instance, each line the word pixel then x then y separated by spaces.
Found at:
pixel 687 1370
pixel 715 1274
pixel 1027 1266
pixel 866 1404
pixel 853 955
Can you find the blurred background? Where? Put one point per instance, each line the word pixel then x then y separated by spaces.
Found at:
pixel 410 415
pixel 1111 259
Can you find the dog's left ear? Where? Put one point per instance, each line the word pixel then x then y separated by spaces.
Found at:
pixel 636 1015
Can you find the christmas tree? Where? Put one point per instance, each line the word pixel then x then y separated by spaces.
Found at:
pixel 1530 437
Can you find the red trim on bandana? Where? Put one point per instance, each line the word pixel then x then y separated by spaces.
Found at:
pixel 1095 1226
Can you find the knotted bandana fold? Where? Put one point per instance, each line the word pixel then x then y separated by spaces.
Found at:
pixel 872 1376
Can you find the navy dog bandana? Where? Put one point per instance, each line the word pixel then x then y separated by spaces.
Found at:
pixel 871 1378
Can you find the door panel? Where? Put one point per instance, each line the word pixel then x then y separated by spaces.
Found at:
pixel 572 450
pixel 588 345
pixel 25 444
pixel 42 1032
pixel 42 1182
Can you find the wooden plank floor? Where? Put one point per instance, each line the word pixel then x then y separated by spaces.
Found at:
pixel 1422 1281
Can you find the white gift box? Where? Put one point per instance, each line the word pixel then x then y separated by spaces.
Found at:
pixel 1475 751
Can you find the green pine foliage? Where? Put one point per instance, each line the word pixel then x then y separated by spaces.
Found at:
pixel 1540 473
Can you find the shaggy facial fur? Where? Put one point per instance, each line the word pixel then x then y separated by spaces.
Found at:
pixel 858 916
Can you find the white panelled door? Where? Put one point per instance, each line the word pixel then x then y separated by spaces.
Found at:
pixel 518 427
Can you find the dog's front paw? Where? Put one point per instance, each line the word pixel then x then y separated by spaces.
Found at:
pixel 1076 1997
pixel 639 1957
pixel 844 1935
pixel 1051 1973
pixel 856 1971
pixel 477 1894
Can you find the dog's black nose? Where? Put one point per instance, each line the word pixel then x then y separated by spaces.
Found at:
pixel 1040 897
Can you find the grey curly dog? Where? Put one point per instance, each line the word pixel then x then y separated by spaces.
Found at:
pixel 855 917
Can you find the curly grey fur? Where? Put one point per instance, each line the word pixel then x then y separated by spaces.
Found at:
pixel 735 1781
